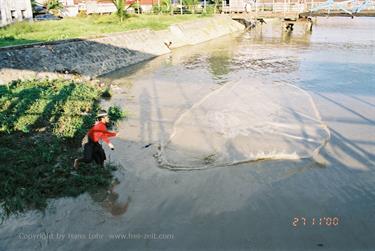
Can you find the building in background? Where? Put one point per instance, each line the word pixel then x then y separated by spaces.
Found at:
pixel 14 10
pixel 72 7
pixel 244 6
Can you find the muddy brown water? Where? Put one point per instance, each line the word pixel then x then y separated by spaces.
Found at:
pixel 263 205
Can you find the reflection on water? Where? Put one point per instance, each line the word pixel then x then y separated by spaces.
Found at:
pixel 219 64
pixel 110 200
pixel 250 206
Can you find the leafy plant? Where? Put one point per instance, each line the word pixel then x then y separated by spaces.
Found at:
pixel 107 93
pixel 42 123
pixel 165 7
pixel 120 6
pixel 115 113
pixel 54 5
pixel 33 3
pixel 217 5
pixel 191 4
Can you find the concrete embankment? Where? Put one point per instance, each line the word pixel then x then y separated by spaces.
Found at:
pixel 89 58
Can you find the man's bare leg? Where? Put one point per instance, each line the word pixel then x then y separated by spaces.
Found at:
pixel 76 163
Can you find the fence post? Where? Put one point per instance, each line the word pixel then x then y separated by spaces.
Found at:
pixel 284 7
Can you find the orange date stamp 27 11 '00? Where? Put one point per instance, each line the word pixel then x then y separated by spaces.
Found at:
pixel 315 221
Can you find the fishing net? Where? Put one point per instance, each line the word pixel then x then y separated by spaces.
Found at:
pixel 245 121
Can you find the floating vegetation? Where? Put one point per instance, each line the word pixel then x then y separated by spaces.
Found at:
pixel 42 123
pixel 115 114
pixel 209 159
pixel 107 93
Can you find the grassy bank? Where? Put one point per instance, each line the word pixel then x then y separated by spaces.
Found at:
pixel 81 27
pixel 42 124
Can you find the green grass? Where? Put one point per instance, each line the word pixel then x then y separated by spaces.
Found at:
pixel 42 123
pixel 82 27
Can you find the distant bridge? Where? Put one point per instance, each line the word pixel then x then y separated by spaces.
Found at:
pixel 287 9
pixel 291 14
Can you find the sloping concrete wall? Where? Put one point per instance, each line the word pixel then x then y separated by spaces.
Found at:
pixel 93 57
pixel 202 30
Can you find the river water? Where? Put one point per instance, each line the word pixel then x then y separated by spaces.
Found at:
pixel 321 203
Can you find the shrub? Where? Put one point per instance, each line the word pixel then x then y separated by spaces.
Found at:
pixel 53 5
pixel 42 123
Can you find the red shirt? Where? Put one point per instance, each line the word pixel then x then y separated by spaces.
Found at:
pixel 99 132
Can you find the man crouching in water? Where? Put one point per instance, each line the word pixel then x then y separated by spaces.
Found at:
pixel 93 150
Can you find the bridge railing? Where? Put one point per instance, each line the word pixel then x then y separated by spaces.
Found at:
pixel 243 6
pixel 286 6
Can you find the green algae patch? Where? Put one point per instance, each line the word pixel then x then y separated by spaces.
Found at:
pixel 42 123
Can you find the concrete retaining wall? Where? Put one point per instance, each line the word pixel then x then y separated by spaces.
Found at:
pixel 93 57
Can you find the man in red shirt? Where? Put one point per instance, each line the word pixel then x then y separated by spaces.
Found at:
pixel 93 150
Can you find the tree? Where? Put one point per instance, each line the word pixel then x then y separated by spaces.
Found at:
pixel 120 6
pixel 192 4
pixel 54 5
pixel 217 3
pixel 163 6
pixel 33 3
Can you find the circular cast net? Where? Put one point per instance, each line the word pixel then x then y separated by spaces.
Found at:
pixel 245 121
